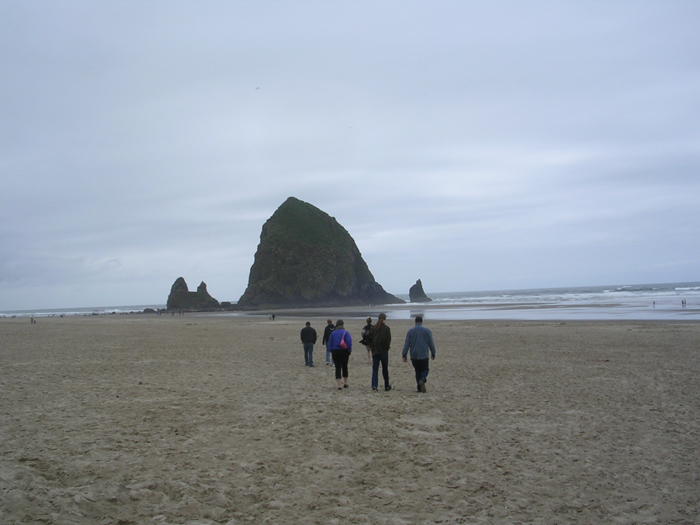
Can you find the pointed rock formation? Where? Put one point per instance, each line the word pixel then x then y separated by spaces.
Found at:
pixel 305 258
pixel 181 298
pixel 417 295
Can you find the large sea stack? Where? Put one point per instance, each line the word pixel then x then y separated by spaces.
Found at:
pixel 181 298
pixel 305 258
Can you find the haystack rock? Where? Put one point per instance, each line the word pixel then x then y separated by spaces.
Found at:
pixel 181 298
pixel 305 259
pixel 417 295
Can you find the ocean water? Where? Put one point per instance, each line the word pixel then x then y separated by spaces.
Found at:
pixel 65 312
pixel 663 302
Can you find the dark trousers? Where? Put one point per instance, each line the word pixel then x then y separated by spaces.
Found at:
pixel 309 354
pixel 340 358
pixel 422 367
pixel 376 360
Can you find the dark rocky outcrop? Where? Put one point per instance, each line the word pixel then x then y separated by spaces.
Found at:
pixel 181 298
pixel 306 258
pixel 417 295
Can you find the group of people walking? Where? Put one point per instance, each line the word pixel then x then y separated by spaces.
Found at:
pixel 377 340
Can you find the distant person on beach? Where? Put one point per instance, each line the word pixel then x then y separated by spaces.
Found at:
pixel 326 336
pixel 419 340
pixel 308 339
pixel 340 337
pixel 380 343
pixel 367 338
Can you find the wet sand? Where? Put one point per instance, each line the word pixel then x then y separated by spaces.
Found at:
pixel 207 419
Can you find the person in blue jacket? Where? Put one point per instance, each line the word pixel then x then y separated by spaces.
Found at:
pixel 340 355
pixel 420 341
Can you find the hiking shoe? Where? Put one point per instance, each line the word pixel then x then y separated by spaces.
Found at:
pixel 374 388
pixel 387 388
pixel 421 386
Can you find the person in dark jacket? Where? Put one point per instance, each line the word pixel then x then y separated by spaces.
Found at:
pixel 380 343
pixel 308 339
pixel 367 338
pixel 340 337
pixel 326 336
pixel 419 341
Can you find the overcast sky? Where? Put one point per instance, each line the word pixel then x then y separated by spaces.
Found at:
pixel 474 145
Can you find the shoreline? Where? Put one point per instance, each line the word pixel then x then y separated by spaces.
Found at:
pixel 522 311
pixel 641 302
pixel 535 312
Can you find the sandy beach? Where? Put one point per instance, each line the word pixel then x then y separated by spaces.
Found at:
pixel 196 419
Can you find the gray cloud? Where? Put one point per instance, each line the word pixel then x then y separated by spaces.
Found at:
pixel 475 145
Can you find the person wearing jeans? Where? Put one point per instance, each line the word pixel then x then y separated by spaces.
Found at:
pixel 380 341
pixel 419 340
pixel 308 339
